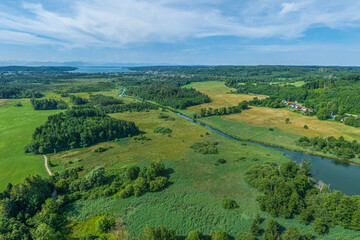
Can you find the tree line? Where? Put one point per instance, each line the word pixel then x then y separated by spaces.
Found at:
pixel 48 104
pixel 169 95
pixel 289 190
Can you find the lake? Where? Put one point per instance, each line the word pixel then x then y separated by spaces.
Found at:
pixel 94 69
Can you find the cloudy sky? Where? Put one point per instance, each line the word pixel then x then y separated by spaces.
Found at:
pixel 245 32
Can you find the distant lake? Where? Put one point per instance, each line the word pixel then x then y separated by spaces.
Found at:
pixel 92 69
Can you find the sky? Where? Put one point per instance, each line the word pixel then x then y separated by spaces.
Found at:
pixel 182 32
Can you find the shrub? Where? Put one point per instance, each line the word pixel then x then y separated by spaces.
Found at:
pixel 220 235
pixel 140 186
pixel 104 224
pixel 229 203
pixel 271 129
pixel 194 235
pixel 162 130
pixel 205 147
pixel 221 161
pixel 101 149
pixel 292 234
pixel 127 191
pixel 272 230
pixel 18 104
pixel 245 236
pixel 132 172
pixel 306 127
pixel 157 233
pixel 255 225
pixel 158 184
pixel 320 226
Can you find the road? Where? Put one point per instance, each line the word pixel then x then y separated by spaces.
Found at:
pixel 121 94
pixel 46 165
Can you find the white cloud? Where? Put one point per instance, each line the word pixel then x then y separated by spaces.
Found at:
pixel 116 23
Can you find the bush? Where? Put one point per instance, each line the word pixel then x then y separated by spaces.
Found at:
pixel 101 149
pixel 158 184
pixel 140 186
pixel 255 225
pixel 245 236
pixel 306 127
pixel 132 172
pixel 221 161
pixel 320 226
pixel 162 130
pixel 292 234
pixel 220 235
pixel 18 104
pixel 194 235
pixel 104 224
pixel 127 191
pixel 205 147
pixel 157 233
pixel 229 203
pixel 272 231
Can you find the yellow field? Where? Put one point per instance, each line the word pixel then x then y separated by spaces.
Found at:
pixel 218 93
pixel 262 116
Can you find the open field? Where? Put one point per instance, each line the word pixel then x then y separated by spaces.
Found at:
pixel 262 116
pixel 193 200
pixel 218 93
pixel 17 125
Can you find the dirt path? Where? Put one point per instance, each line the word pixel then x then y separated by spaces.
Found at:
pixel 46 165
pixel 3 100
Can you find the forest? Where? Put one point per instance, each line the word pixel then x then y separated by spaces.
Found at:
pixel 78 128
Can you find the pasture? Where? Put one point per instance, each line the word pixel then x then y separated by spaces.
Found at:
pixel 17 125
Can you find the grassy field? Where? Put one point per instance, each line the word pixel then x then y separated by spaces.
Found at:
pixel 219 95
pixel 17 125
pixel 261 116
pixel 193 200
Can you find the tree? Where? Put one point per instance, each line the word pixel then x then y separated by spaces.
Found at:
pixel 220 235
pixel 104 224
pixel 140 186
pixel 320 226
pixel 292 234
pixel 245 236
pixel 45 232
pixel 272 230
pixel 255 225
pixel 132 172
pixel 157 233
pixel 158 184
pixel 306 127
pixel 287 120
pixel 355 221
pixel 194 235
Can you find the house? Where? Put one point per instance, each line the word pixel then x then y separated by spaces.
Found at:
pixel 292 105
pixel 284 101
pixel 334 116
pixel 298 106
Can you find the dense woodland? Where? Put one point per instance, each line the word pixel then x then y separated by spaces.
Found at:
pixel 78 128
pixel 168 95
pixel 48 104
pixel 289 190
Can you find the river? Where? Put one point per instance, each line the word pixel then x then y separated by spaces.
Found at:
pixel 339 175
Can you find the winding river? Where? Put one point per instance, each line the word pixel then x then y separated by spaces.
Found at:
pixel 339 175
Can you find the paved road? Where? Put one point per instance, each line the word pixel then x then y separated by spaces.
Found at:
pixel 46 165
pixel 121 94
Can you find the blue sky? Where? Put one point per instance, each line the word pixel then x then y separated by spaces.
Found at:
pixel 243 32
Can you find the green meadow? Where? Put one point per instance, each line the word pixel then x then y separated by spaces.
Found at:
pixel 17 125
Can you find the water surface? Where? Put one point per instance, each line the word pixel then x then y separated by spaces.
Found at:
pixel 92 69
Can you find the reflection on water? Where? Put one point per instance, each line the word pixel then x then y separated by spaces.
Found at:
pixel 339 175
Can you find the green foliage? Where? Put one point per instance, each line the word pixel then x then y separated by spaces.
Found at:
pixel 255 228
pixel 220 235
pixel 94 178
pixel 76 100
pixel 339 147
pixel 272 230
pixel 48 104
pixel 169 95
pixel 157 233
pixel 194 235
pixel 205 147
pixel 78 128
pixel 102 100
pixel 229 203
pixel 292 234
pixel 45 232
pixel 320 226
pixel 101 149
pixel 221 161
pixel 245 236
pixel 162 130
pixel 140 186
pixel 158 184
pixel 104 224
pixel 127 191
pixel 132 172
pixel 224 111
